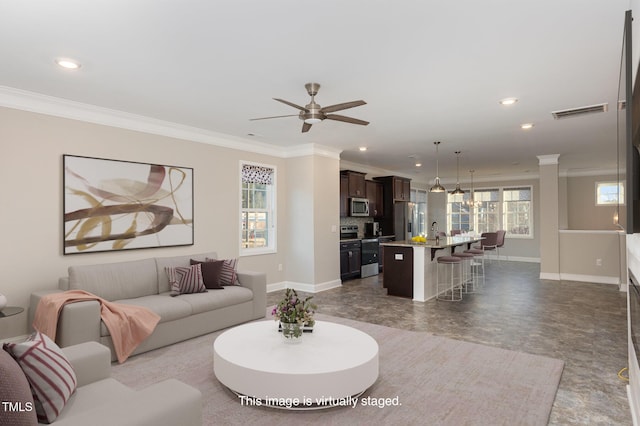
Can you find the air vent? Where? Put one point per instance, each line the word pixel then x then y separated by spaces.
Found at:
pixel 574 112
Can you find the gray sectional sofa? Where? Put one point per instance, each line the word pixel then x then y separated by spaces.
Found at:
pixel 99 399
pixel 145 283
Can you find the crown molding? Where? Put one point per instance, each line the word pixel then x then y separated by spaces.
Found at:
pixel 545 160
pixel 49 105
pixel 312 149
pixel 64 108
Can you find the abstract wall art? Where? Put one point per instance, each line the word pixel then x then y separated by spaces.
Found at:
pixel 118 205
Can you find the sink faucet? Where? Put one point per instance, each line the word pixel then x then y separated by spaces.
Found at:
pixel 434 228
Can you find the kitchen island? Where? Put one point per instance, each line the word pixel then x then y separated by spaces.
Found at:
pixel 410 268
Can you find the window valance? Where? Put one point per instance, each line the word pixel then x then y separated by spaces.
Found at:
pixel 257 174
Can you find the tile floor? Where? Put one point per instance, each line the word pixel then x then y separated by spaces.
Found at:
pixel 583 324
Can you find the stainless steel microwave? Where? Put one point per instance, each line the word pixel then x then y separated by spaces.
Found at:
pixel 358 207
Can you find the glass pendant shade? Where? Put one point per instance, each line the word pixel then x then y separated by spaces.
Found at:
pixel 437 187
pixel 457 191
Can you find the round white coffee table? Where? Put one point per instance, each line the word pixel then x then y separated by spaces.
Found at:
pixel 330 367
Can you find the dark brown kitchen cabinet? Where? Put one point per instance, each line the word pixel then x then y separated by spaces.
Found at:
pixel 344 196
pixel 396 188
pixel 396 193
pixel 398 271
pixel 356 182
pixel 374 193
pixel 350 259
pixel 382 240
pixel 401 189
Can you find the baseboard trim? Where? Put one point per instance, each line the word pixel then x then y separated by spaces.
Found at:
pixel 550 276
pixel 308 288
pixel 595 279
pixel 590 278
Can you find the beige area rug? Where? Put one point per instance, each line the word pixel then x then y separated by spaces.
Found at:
pixel 436 381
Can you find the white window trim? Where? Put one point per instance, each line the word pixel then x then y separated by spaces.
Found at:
pixel 256 251
pixel 532 221
pixel 501 189
pixel 619 203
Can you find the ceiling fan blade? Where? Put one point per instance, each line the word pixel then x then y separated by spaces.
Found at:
pixel 275 116
pixel 346 119
pixel 306 127
pixel 290 104
pixel 340 107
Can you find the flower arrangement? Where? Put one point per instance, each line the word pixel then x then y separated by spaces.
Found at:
pixel 294 310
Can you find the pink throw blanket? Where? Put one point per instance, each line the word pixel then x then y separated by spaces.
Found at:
pixel 129 325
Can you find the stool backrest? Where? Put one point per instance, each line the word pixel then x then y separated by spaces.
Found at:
pixel 500 238
pixel 490 239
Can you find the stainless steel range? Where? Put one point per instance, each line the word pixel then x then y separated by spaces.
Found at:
pixel 369 260
pixel 349 232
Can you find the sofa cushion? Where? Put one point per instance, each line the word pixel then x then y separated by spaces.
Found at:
pixel 229 273
pixel 169 308
pixel 212 300
pixel 14 389
pixel 211 270
pixel 186 279
pixel 49 372
pixel 88 397
pixel 113 281
pixel 171 262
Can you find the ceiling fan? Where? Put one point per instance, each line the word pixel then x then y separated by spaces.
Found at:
pixel 313 113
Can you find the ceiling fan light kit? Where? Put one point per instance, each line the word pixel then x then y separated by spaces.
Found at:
pixel 437 187
pixel 313 113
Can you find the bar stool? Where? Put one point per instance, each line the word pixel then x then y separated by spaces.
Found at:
pixel 476 265
pixel 468 277
pixel 453 282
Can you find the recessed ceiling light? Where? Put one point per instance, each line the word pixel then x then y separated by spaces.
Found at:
pixel 363 148
pixel 418 164
pixel 67 63
pixel 508 101
pixel 526 126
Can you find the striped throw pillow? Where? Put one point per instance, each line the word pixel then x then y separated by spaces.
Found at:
pixel 228 274
pixel 185 279
pixel 50 375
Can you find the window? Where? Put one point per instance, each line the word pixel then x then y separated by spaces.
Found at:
pixel 493 209
pixel 517 210
pixel 609 193
pixel 486 210
pixel 257 210
pixel 419 211
pixel 458 212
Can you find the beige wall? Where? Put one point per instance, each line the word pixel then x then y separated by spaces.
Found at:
pixel 582 211
pixel 326 221
pixel 593 256
pixel 31 215
pixel 313 241
pixel 549 218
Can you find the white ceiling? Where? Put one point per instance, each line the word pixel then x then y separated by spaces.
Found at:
pixel 428 70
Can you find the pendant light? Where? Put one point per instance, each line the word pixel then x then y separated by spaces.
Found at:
pixel 457 191
pixel 471 200
pixel 471 204
pixel 436 186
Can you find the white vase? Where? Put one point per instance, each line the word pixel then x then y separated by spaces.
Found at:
pixel 3 301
